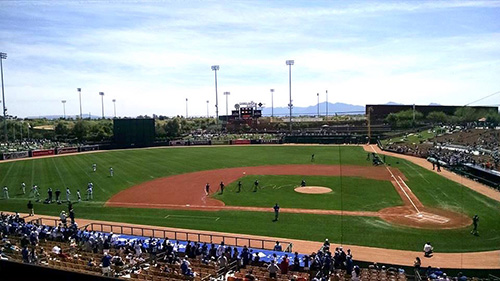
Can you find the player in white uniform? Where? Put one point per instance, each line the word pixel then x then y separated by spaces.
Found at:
pixel 23 187
pixel 68 194
pixel 110 172
pixel 94 167
pixel 5 192
pixel 78 195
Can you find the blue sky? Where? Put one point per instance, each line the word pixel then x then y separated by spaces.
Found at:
pixel 152 55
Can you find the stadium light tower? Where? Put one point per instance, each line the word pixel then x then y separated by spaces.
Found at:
pixel 80 97
pixel 327 104
pixel 290 105
pixel 102 103
pixel 208 115
pixel 114 106
pixel 318 102
pixel 186 108
pixel 272 103
pixel 3 56
pixel 227 95
pixel 64 108
pixel 215 68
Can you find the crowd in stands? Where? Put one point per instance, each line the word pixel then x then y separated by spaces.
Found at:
pixel 67 247
pixel 31 144
pixel 459 145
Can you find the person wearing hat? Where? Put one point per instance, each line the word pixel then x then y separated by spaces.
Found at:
pixel 475 221
pixel 31 208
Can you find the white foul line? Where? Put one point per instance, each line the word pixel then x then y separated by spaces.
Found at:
pixel 392 175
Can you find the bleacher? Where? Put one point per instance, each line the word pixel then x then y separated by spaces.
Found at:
pixel 76 259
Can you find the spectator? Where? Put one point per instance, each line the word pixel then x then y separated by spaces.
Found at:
pixel 284 265
pixel 417 263
pixel 249 276
pixel 222 262
pixel 273 269
pixel 106 264
pixel 186 270
pixel 277 247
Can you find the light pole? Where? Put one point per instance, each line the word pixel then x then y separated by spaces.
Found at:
pixel 227 95
pixel 102 103
pixel 326 104
pixel 290 105
pixel 215 68
pixel 272 103
pixel 114 106
pixel 186 108
pixel 318 102
pixel 64 108
pixel 3 56
pixel 208 115
pixel 80 96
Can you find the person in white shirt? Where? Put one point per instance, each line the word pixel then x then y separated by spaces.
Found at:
pixel 428 249
pixel 273 269
pixel 221 249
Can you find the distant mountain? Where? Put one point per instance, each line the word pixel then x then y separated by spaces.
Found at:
pixel 54 117
pixel 333 108
pixel 434 104
pixel 393 103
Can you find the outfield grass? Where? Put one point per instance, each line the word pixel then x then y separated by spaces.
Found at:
pixel 135 166
pixel 348 193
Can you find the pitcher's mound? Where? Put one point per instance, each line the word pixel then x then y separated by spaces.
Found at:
pixel 312 189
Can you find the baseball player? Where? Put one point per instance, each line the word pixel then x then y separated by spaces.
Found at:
pixel 58 193
pixel 23 187
pixel 312 157
pixel 239 186
pixel 34 190
pixel 207 189
pixel 475 221
pixel 303 183
pixel 78 195
pixel 68 194
pixel 110 171
pixel 90 195
pixel 255 185
pixel 94 167
pixel 5 192
pixel 37 194
pixel 49 192
pixel 221 187
pixel 276 211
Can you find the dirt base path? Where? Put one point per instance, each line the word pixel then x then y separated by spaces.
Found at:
pixel 475 260
pixel 478 187
pixel 187 191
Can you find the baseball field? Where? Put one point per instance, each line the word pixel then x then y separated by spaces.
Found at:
pixel 396 206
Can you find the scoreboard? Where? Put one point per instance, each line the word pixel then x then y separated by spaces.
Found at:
pixel 134 132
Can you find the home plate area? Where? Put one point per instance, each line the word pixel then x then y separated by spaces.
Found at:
pixel 428 217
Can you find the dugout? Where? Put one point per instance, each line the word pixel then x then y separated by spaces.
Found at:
pixel 133 132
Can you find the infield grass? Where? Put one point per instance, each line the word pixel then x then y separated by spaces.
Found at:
pixel 348 193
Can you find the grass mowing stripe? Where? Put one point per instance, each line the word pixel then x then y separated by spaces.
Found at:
pixel 6 174
pixel 58 172
pixel 191 217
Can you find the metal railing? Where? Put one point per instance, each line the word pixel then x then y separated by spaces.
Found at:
pixel 185 236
